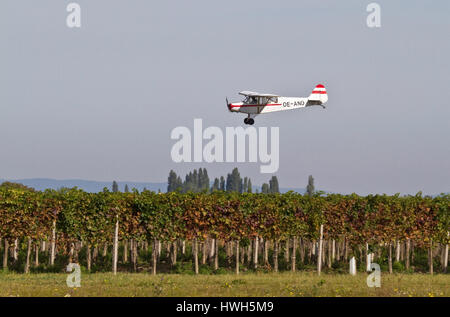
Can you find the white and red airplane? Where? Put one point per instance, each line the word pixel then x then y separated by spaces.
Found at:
pixel 256 103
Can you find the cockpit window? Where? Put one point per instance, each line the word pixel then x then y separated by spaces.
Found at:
pixel 250 100
pixel 260 100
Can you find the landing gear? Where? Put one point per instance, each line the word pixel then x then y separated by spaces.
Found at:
pixel 249 121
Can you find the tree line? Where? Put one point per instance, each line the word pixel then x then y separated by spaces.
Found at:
pixel 251 230
pixel 199 181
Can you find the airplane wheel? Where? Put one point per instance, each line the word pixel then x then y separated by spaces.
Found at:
pixel 250 121
pixel 246 120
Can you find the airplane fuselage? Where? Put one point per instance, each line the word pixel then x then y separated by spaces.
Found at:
pixel 281 104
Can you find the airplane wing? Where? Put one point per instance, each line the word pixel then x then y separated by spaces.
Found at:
pixel 256 94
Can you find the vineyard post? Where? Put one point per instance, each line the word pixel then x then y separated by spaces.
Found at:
pixel 94 254
pixel 301 247
pixel 330 251
pixel 204 251
pixel 16 250
pixel 36 255
pixel 53 244
pixel 310 246
pixel 135 256
pixel 88 256
pixel 174 252
pixel 446 255
pixel 319 257
pixel 216 255
pixel 195 253
pixel 445 258
pixel 27 264
pixel 266 252
pixel 430 256
pixel 154 255
pixel 116 245
pixel 237 256
pixel 71 251
pixel 397 251
pixel 125 251
pixel 338 251
pixel 345 249
pixel 293 254
pixel 211 250
pixel 390 257
pixel 255 253
pixel 408 247
pixel 286 250
pixel 368 259
pixel 228 252
pixel 333 250
pixel 275 255
pixel 168 250
pixel 5 255
pixel 352 266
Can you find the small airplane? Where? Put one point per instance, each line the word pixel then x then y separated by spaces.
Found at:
pixel 256 103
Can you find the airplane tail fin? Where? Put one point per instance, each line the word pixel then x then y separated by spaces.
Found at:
pixel 318 96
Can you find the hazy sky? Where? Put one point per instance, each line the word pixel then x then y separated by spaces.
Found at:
pixel 100 102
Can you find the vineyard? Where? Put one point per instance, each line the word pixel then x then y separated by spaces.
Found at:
pixel 171 232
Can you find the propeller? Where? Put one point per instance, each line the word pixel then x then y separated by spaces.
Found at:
pixel 228 104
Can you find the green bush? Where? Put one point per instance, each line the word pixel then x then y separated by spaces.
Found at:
pixel 220 271
pixel 398 267
pixel 205 269
pixel 183 268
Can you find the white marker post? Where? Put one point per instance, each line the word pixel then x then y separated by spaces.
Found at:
pixel 353 266
pixel 369 258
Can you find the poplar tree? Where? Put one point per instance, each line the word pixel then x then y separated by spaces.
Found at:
pixel 216 185
pixel 204 180
pixel 234 181
pixel 115 187
pixel 171 181
pixel 310 187
pixel 222 183
pixel 273 185
pixel 245 184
